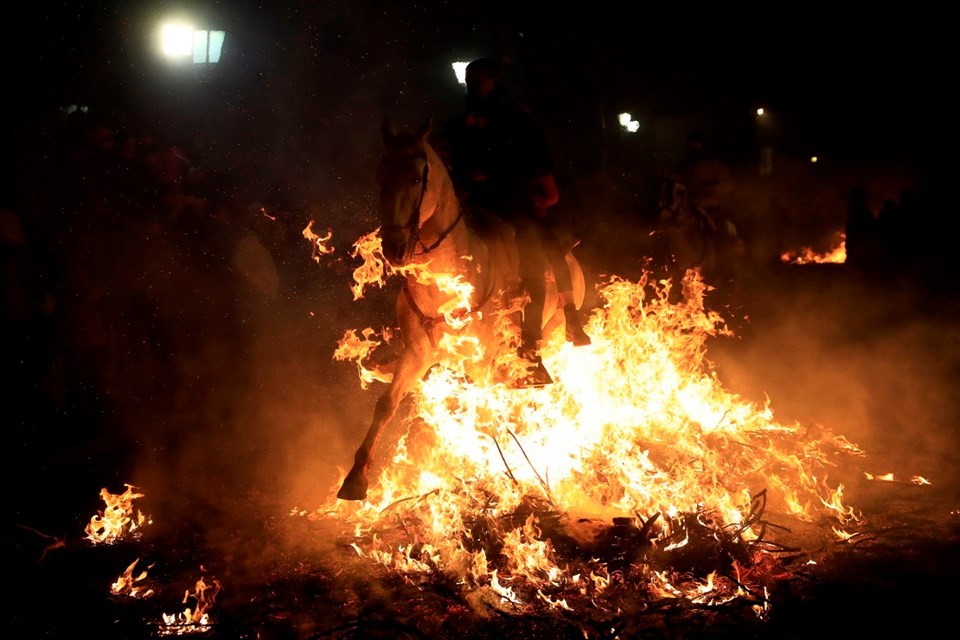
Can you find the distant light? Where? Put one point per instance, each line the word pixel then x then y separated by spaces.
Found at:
pixel 760 111
pixel 176 40
pixel 460 69
pixel 207 46
pixel 216 45
pixel 627 122
pixel 813 159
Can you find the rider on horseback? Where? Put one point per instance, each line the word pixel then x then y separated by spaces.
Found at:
pixel 500 164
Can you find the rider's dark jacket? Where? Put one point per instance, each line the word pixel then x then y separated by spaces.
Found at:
pixel 498 158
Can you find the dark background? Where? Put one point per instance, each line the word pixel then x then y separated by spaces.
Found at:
pixel 138 353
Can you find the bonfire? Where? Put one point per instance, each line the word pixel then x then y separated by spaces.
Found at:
pixel 636 470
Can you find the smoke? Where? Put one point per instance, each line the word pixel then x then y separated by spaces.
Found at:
pixel 871 359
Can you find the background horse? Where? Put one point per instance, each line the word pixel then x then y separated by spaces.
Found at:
pixel 693 236
pixel 421 221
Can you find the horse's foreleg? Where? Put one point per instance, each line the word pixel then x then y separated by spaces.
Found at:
pixel 411 366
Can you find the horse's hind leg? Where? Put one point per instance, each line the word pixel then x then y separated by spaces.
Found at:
pixel 410 367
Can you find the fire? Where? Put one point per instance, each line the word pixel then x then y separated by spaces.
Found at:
pixel 118 520
pixel 889 477
pixel 127 584
pixel 491 485
pixel 837 255
pixel 358 347
pixel 195 618
pixel 319 246
pixel 374 271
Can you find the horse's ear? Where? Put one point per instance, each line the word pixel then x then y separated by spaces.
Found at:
pixel 424 131
pixel 388 128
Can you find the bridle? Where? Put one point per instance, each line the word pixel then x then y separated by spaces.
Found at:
pixel 413 225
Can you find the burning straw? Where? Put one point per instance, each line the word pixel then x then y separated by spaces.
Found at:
pixel 512 492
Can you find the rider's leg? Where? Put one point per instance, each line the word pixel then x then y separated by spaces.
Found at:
pixel 533 280
pixel 561 271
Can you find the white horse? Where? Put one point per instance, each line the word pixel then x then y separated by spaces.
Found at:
pixel 421 220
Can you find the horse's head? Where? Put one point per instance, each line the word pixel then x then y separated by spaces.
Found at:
pixel 409 179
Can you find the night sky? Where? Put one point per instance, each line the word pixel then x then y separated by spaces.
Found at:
pixel 856 85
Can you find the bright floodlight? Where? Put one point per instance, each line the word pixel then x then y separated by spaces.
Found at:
pixel 627 122
pixel 760 111
pixel 176 40
pixel 813 159
pixel 460 68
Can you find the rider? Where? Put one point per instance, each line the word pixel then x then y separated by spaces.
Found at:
pixel 693 212
pixel 500 164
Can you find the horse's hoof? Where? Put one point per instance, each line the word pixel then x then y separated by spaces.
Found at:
pixel 354 487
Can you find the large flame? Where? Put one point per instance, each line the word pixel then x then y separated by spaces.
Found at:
pixel 637 430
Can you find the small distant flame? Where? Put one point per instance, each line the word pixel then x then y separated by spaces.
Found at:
pixel 118 520
pixel 196 618
pixel 127 584
pixel 837 255
pixel 889 477
pixel 319 246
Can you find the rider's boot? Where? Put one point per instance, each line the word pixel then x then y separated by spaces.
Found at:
pixel 574 326
pixel 537 374
pixel 531 334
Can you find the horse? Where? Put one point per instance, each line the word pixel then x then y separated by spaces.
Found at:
pixel 422 220
pixel 692 237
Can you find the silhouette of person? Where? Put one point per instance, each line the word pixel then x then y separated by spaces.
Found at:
pixel 501 165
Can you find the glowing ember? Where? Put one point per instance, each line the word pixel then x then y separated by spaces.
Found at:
pixel 490 485
pixel 195 618
pixel 119 520
pixel 837 255
pixel 127 584
pixel 319 246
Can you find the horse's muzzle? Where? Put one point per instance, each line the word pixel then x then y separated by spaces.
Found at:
pixel 396 247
